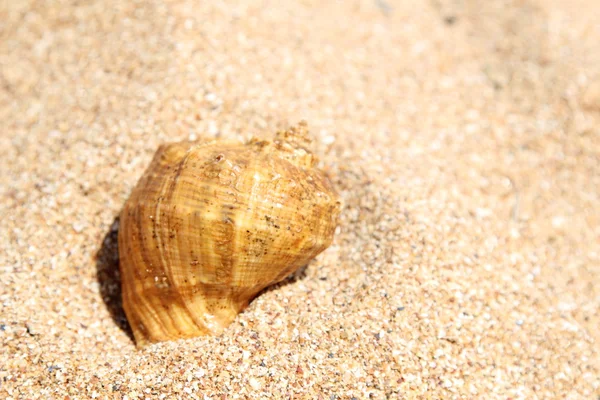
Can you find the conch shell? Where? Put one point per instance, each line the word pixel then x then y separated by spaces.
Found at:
pixel 209 225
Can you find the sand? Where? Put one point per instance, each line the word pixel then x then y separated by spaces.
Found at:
pixel 463 137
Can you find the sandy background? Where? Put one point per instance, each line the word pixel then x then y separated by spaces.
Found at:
pixel 463 137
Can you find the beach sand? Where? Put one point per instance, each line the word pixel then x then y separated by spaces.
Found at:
pixel 462 136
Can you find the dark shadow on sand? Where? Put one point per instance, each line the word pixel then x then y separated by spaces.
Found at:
pixel 109 279
pixel 299 275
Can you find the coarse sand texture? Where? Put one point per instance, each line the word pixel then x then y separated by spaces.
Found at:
pixel 463 138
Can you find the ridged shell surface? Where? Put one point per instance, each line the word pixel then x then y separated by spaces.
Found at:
pixel 210 225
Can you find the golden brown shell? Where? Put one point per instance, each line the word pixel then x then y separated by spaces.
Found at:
pixel 209 225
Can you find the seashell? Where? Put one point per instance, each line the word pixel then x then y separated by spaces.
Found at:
pixel 209 225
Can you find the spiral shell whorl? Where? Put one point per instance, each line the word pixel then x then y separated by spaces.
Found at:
pixel 210 225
